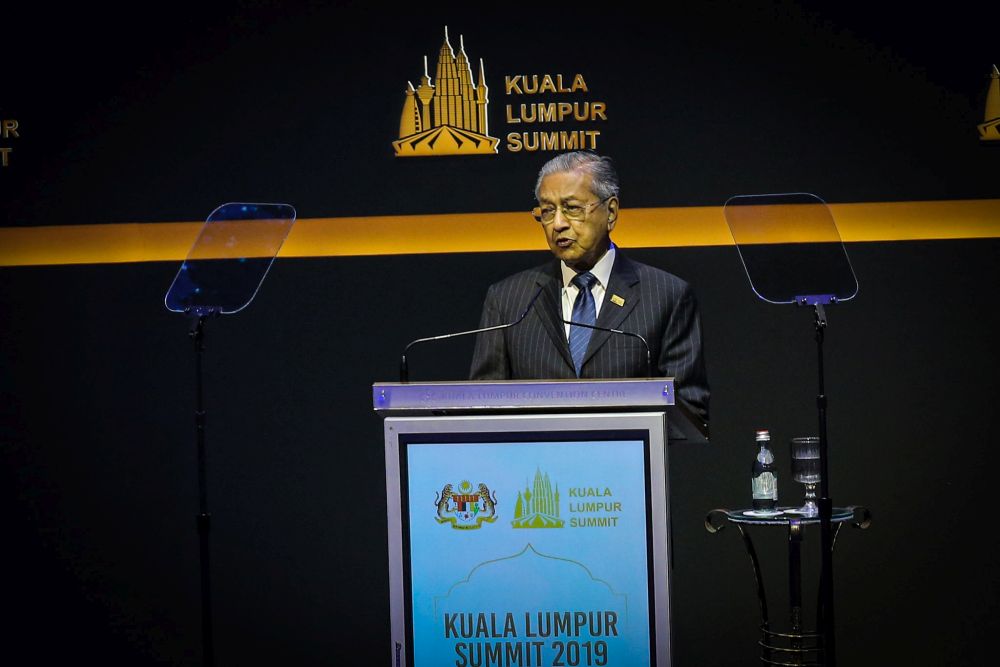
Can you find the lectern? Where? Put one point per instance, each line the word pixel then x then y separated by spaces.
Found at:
pixel 529 521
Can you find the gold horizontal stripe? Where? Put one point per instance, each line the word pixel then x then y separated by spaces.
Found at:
pixel 482 232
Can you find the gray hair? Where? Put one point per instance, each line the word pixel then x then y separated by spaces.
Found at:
pixel 604 177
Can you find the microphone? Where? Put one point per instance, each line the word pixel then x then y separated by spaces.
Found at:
pixel 649 362
pixel 404 369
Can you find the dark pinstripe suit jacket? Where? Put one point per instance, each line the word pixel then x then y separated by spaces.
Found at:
pixel 658 306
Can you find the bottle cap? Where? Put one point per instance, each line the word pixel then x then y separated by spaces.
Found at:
pixel 762 434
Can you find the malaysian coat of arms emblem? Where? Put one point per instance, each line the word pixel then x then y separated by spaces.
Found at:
pixel 467 508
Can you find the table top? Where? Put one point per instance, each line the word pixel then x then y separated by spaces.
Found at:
pixel 785 516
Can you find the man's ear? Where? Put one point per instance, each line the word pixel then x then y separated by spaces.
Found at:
pixel 612 213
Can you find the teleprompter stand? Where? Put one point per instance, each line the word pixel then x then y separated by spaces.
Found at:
pixel 793 254
pixel 221 275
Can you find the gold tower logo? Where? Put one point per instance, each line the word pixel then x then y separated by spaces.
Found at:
pixel 448 116
pixel 989 129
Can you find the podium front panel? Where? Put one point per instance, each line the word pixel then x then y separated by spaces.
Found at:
pixel 521 540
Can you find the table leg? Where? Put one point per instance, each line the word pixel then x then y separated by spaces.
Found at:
pixel 795 583
pixel 759 581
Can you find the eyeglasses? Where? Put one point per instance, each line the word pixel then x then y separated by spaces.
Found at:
pixel 575 212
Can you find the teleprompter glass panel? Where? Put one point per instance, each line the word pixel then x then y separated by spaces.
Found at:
pixel 790 248
pixel 230 258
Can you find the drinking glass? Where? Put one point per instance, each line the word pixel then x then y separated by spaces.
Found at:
pixel 805 470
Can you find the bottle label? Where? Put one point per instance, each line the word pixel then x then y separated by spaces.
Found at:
pixel 765 486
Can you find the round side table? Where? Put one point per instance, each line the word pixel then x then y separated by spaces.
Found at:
pixel 798 646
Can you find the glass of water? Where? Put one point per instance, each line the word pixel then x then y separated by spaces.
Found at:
pixel 805 470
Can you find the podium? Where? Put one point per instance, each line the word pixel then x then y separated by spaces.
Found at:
pixel 529 521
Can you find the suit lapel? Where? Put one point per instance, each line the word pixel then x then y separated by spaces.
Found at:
pixel 624 284
pixel 549 309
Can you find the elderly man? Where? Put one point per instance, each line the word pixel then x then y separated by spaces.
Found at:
pixel 594 283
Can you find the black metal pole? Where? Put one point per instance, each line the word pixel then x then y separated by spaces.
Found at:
pixel 197 334
pixel 825 506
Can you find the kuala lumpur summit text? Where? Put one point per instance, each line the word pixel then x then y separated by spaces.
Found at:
pixel 559 113
pixel 557 638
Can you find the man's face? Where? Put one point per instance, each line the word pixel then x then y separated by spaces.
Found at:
pixel 579 243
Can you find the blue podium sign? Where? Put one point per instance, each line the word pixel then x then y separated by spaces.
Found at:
pixel 528 540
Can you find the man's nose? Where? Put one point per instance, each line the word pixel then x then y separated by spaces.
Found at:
pixel 560 222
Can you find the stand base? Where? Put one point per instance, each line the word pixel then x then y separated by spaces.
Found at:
pixel 790 648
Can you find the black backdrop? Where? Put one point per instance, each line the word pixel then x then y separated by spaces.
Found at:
pixel 132 116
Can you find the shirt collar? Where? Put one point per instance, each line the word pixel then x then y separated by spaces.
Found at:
pixel 601 270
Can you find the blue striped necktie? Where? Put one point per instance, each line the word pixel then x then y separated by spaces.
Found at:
pixel 585 312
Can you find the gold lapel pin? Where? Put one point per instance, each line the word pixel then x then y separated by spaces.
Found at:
pixel 617 300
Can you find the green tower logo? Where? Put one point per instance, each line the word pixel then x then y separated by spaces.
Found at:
pixel 538 505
